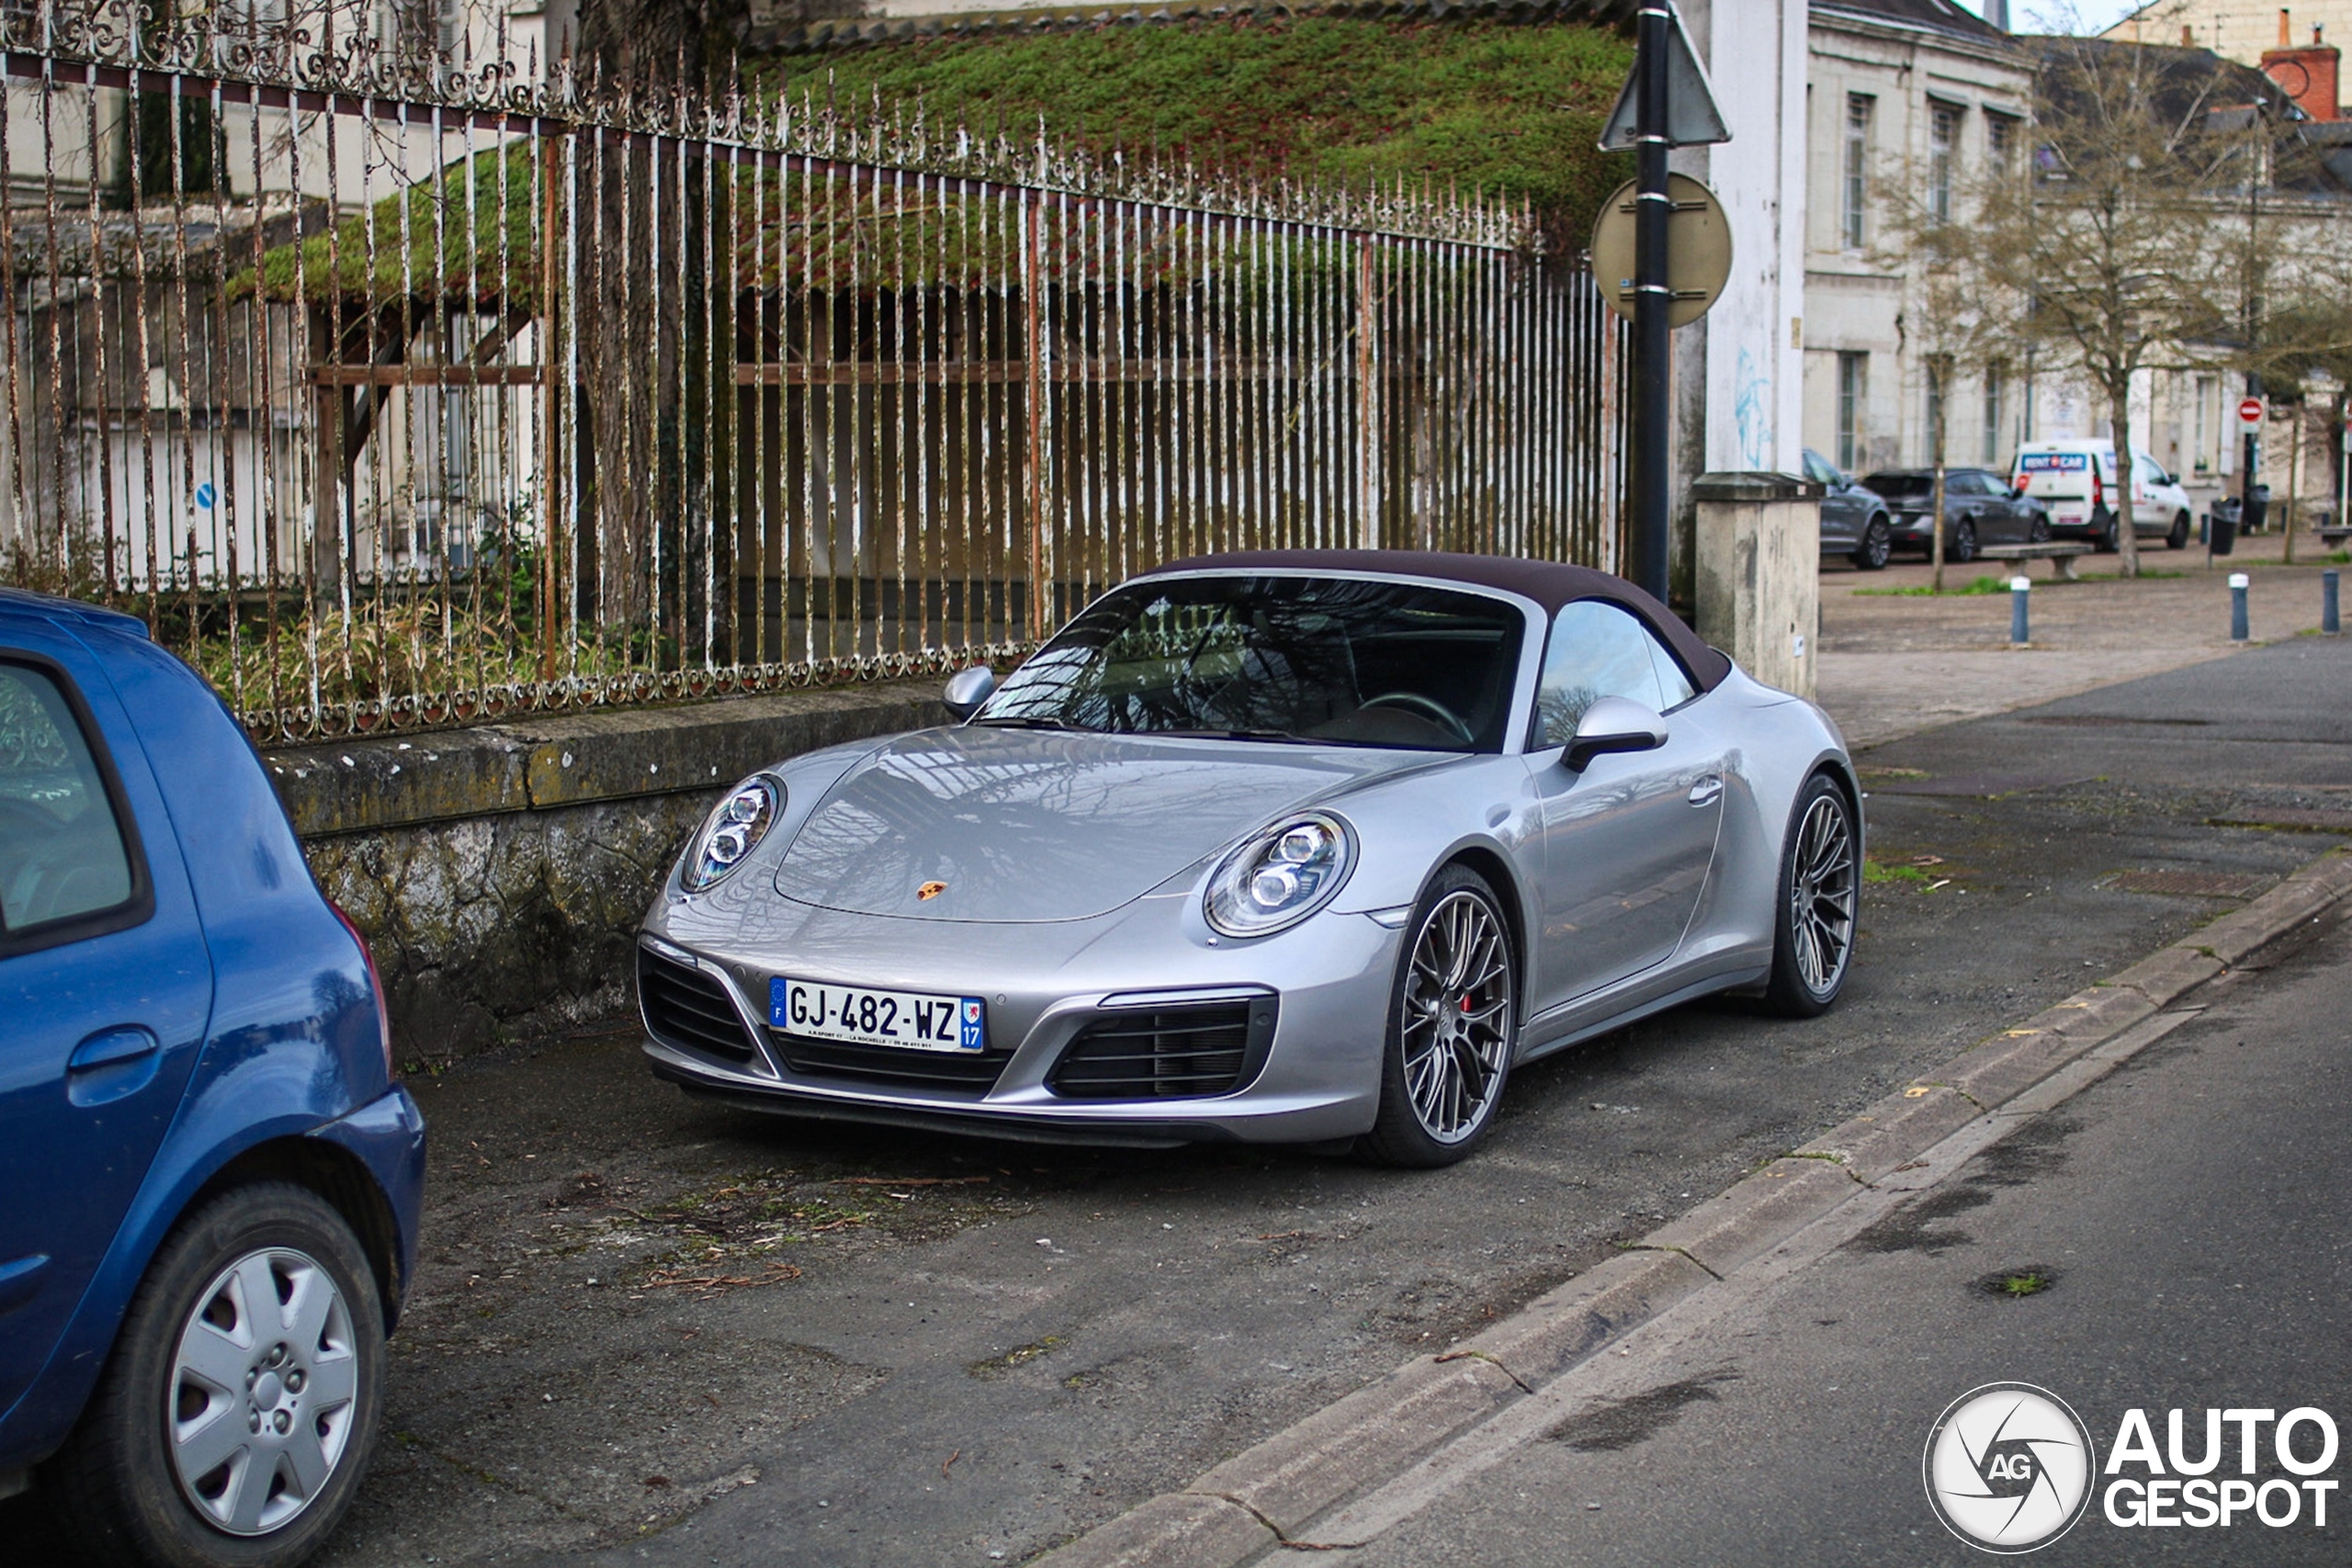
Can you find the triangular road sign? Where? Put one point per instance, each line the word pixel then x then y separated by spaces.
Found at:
pixel 1691 117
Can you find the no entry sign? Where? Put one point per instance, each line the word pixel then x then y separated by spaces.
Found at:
pixel 2250 411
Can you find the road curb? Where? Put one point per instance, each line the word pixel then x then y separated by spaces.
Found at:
pixel 1261 1497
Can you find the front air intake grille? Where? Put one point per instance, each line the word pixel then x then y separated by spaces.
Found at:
pixel 686 1008
pixel 1188 1051
pixel 884 1064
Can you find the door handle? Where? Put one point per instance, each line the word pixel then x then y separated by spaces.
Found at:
pixel 21 1280
pixel 110 1066
pixel 111 1049
pixel 1703 793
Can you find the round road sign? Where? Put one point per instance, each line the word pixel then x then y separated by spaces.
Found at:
pixel 2250 411
pixel 1698 250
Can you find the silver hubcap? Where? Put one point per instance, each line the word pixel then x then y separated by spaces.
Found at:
pixel 263 1388
pixel 1457 1022
pixel 1821 895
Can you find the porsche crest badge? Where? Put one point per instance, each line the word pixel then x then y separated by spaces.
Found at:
pixel 930 890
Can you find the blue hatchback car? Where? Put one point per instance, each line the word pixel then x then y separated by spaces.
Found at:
pixel 209 1178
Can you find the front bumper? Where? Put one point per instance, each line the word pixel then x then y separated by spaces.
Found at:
pixel 1044 984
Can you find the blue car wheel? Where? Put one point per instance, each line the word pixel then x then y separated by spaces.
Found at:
pixel 234 1421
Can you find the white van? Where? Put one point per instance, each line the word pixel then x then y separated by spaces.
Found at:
pixel 2075 481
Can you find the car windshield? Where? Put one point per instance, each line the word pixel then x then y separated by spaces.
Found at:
pixel 1903 487
pixel 1284 659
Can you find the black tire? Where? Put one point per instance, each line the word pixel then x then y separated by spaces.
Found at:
pixel 2178 539
pixel 1877 545
pixel 1401 1133
pixel 2106 533
pixel 114 1485
pixel 2038 531
pixel 1802 985
pixel 1964 542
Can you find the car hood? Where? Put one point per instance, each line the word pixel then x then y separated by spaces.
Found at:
pixel 1032 825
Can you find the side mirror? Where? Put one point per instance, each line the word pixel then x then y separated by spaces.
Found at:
pixel 967 689
pixel 1613 724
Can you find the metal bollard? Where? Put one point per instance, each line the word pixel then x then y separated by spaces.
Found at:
pixel 2329 625
pixel 2238 632
pixel 2019 586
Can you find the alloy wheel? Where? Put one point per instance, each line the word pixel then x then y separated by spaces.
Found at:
pixel 1822 895
pixel 263 1388
pixel 1458 1024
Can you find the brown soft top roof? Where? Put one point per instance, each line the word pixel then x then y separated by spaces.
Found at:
pixel 1550 583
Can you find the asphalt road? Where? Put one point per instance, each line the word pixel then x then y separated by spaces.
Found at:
pixel 2186 1214
pixel 645 1329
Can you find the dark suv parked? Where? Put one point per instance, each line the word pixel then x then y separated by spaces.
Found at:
pixel 1979 509
pixel 1854 522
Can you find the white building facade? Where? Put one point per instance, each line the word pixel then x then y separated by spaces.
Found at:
pixel 1908 101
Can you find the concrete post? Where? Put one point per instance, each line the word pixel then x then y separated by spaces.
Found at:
pixel 1758 574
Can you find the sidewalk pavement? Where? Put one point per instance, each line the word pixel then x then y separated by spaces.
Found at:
pixel 1892 665
pixel 2174 1229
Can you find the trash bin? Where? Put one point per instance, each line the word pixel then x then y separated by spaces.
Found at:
pixel 2258 509
pixel 2221 525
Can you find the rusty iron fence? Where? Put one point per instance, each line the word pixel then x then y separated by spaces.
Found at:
pixel 397 390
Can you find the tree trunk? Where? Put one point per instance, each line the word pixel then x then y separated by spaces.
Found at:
pixel 633 322
pixel 2294 476
pixel 2126 538
pixel 1936 491
pixel 1936 524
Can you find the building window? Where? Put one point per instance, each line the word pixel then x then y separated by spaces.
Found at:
pixel 2000 141
pixel 1943 130
pixel 1852 384
pixel 2207 423
pixel 1993 376
pixel 1858 163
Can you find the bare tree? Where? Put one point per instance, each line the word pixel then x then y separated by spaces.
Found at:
pixel 1955 315
pixel 2124 244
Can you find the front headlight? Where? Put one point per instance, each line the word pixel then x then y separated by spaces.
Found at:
pixel 1280 876
pixel 732 831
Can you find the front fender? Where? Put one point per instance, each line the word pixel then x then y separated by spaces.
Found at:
pixel 1407 828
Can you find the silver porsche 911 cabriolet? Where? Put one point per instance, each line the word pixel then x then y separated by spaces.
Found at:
pixel 1298 846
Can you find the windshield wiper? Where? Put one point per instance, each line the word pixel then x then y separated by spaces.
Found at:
pixel 1028 721
pixel 1283 735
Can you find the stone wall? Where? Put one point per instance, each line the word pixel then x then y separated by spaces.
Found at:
pixel 499 872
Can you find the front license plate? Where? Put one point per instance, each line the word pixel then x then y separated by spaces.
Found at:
pixel 906 1020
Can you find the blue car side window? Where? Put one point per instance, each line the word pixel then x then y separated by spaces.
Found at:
pixel 62 852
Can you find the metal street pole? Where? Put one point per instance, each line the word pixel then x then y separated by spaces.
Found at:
pixel 1652 299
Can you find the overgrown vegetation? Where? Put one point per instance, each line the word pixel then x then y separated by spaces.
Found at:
pixel 470 233
pixel 1929 590
pixel 1511 110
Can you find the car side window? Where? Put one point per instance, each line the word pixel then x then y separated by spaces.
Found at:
pixel 1817 468
pixel 62 852
pixel 1599 650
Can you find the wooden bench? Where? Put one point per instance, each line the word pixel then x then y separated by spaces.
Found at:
pixel 2061 553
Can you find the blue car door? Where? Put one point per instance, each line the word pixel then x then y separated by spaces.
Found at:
pixel 106 987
